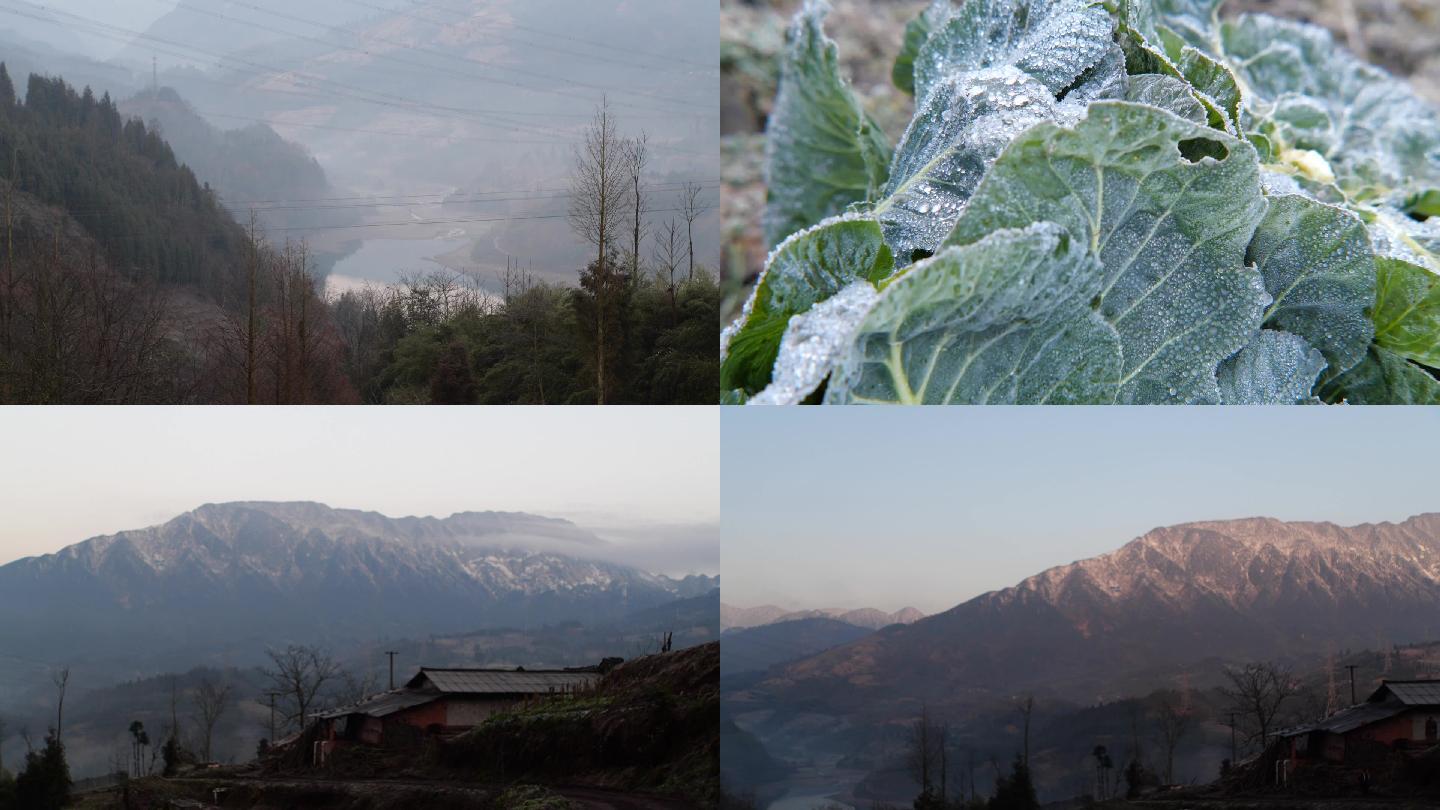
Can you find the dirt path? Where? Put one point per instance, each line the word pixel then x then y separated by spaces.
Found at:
pixel 585 798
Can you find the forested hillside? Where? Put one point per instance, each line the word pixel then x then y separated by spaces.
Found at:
pixel 244 165
pixel 124 279
pixel 121 273
pixel 120 181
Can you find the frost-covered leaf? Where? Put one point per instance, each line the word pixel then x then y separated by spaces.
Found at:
pixel 1169 224
pixel 916 32
pixel 1383 378
pixel 1105 79
pixel 1320 271
pixel 1197 22
pixel 1002 320
pixel 1167 93
pixel 805 269
pixel 1212 83
pixel 1055 41
pixel 1396 235
pixel 813 342
pixel 1277 368
pixel 1407 311
pixel 1180 39
pixel 822 151
pixel 959 129
pixel 1372 129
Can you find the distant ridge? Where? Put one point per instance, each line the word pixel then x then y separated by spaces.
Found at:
pixel 732 617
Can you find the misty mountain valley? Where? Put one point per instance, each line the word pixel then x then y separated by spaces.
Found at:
pixel 358 201
pixel 270 653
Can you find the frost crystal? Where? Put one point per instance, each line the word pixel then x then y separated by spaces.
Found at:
pixel 813 342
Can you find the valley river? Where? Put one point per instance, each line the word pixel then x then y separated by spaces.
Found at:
pixel 806 798
pixel 382 261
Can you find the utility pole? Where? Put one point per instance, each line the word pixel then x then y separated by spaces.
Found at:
pixel 155 74
pixel 272 716
pixel 392 654
pixel 1351 667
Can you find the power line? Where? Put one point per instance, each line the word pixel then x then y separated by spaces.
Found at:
pixel 286 205
pixel 441 54
pixel 605 46
pixel 356 93
pixel 446 221
pixel 702 182
pixel 465 16
pixel 360 130
pixel 659 147
pixel 474 115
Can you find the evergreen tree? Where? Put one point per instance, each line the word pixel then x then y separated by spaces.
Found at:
pixel 453 382
pixel 1016 791
pixel 8 799
pixel 7 89
pixel 45 783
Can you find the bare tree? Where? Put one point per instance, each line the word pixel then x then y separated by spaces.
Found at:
pixel 1172 724
pixel 355 688
pixel 298 673
pixel 1258 692
pixel 691 209
pixel 597 199
pixel 666 254
pixel 211 700
pixel 636 158
pixel 252 284
pixel 925 755
pixel 1027 708
pixel 61 678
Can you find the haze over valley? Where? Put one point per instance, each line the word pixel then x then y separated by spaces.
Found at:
pixel 360 201
pixel 611 555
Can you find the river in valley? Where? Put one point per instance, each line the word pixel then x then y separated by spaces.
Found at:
pixel 379 262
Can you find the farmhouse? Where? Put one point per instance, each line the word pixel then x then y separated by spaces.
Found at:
pixel 1401 716
pixel 444 701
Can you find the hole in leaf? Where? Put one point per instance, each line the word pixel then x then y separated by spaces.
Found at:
pixel 919 253
pixel 1095 303
pixel 1194 149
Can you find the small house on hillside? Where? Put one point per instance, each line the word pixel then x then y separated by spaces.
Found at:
pixel 1401 716
pixel 444 701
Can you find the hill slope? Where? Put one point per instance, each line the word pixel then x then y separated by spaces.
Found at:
pixel 758 648
pixel 246 164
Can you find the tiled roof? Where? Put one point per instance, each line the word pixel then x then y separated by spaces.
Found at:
pixel 502 682
pixel 1411 693
pixel 384 704
pixel 1349 719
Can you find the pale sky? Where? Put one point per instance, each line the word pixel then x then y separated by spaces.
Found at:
pixel 932 506
pixel 68 474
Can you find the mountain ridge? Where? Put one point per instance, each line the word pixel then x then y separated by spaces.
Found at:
pixel 250 570
pixel 1247 588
